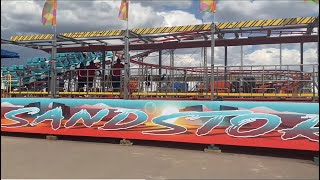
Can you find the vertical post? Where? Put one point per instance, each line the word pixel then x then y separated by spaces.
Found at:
pixel 151 80
pixel 103 69
pixel 263 81
pixel 140 74
pixel 313 84
pixel 20 81
pixel 126 65
pixel 301 56
pixel 301 60
pixel 160 70
pixel 225 63
pixel 212 58
pixel 241 57
pixel 280 56
pixel 172 71
pixel 318 55
pixel 205 65
pixel 53 64
pixel 87 80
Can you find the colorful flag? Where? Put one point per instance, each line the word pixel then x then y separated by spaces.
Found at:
pixel 315 1
pixel 124 9
pixel 49 13
pixel 207 6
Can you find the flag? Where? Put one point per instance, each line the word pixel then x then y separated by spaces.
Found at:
pixel 315 1
pixel 49 13
pixel 207 6
pixel 124 9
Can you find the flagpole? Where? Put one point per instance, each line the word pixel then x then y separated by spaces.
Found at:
pixel 127 62
pixel 212 56
pixel 53 62
pixel 205 66
pixel 49 17
pixel 318 52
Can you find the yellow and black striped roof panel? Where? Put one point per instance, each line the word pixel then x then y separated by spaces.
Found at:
pixel 175 29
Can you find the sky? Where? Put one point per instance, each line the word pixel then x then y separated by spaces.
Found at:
pixel 20 17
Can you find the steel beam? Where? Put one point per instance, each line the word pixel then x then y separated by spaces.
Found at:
pixel 194 44
pixel 73 40
pixel 138 36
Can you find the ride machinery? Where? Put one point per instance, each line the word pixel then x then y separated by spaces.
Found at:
pixel 84 63
pixel 209 104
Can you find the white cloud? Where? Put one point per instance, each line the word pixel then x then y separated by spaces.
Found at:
pixel 24 17
pixel 177 18
pixel 162 4
pixel 245 10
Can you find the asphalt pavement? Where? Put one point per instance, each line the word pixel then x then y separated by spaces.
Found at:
pixel 40 158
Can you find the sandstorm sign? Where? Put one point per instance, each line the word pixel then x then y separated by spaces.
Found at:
pixel 260 124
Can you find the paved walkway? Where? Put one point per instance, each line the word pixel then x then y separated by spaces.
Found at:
pixel 40 158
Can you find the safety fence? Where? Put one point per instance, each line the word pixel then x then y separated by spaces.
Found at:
pixel 173 82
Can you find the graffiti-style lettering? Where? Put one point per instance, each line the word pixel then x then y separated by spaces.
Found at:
pixel 86 118
pixel 205 129
pixel 11 115
pixel 209 125
pixel 55 115
pixel 272 123
pixel 305 129
pixel 235 122
pixel 114 123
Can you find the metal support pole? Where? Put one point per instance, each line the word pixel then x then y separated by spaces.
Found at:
pixel 301 57
pixel 318 56
pixel 212 59
pixel 140 74
pixel 126 66
pixel 241 58
pixel 171 65
pixel 160 70
pixel 103 64
pixel 53 66
pixel 313 84
pixel 205 65
pixel 263 76
pixel 280 56
pixel 301 60
pixel 225 63
pixel 171 60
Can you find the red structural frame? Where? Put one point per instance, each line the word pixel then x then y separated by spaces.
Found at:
pixel 192 44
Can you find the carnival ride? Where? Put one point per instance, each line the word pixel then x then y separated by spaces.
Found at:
pixel 295 82
pixel 82 68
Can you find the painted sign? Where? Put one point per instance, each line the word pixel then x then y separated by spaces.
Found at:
pixel 260 124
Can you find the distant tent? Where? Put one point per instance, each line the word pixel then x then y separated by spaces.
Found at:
pixel 9 54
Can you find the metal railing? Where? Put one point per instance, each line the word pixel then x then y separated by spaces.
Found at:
pixel 177 82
